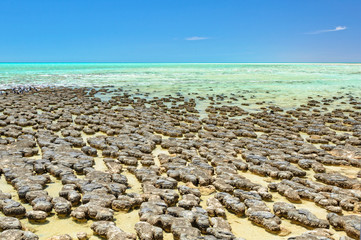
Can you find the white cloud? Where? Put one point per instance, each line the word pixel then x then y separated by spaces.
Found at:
pixel 195 38
pixel 338 28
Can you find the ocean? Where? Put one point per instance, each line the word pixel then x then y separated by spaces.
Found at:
pixel 275 83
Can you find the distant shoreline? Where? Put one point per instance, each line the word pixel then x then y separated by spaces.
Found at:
pixel 181 62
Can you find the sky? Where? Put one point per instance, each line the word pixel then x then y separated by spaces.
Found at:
pixel 180 31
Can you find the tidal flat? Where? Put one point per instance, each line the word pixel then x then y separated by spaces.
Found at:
pixel 109 163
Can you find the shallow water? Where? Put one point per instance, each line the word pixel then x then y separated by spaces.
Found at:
pixel 54 187
pixel 284 84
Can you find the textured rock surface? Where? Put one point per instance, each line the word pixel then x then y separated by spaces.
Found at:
pixel 173 166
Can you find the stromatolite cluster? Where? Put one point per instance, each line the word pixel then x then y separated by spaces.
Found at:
pixel 178 157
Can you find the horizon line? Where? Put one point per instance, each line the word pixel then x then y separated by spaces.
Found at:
pixel 30 62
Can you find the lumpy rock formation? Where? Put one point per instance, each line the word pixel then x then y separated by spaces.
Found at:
pixel 186 171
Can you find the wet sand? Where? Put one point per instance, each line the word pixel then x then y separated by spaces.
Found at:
pixel 168 127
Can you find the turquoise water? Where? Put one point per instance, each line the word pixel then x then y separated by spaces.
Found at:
pixel 278 83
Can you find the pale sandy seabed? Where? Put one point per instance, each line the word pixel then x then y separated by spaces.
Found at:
pixel 241 226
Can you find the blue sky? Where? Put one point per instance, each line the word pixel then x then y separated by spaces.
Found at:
pixel 180 31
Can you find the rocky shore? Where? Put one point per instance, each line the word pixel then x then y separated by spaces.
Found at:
pixel 186 172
